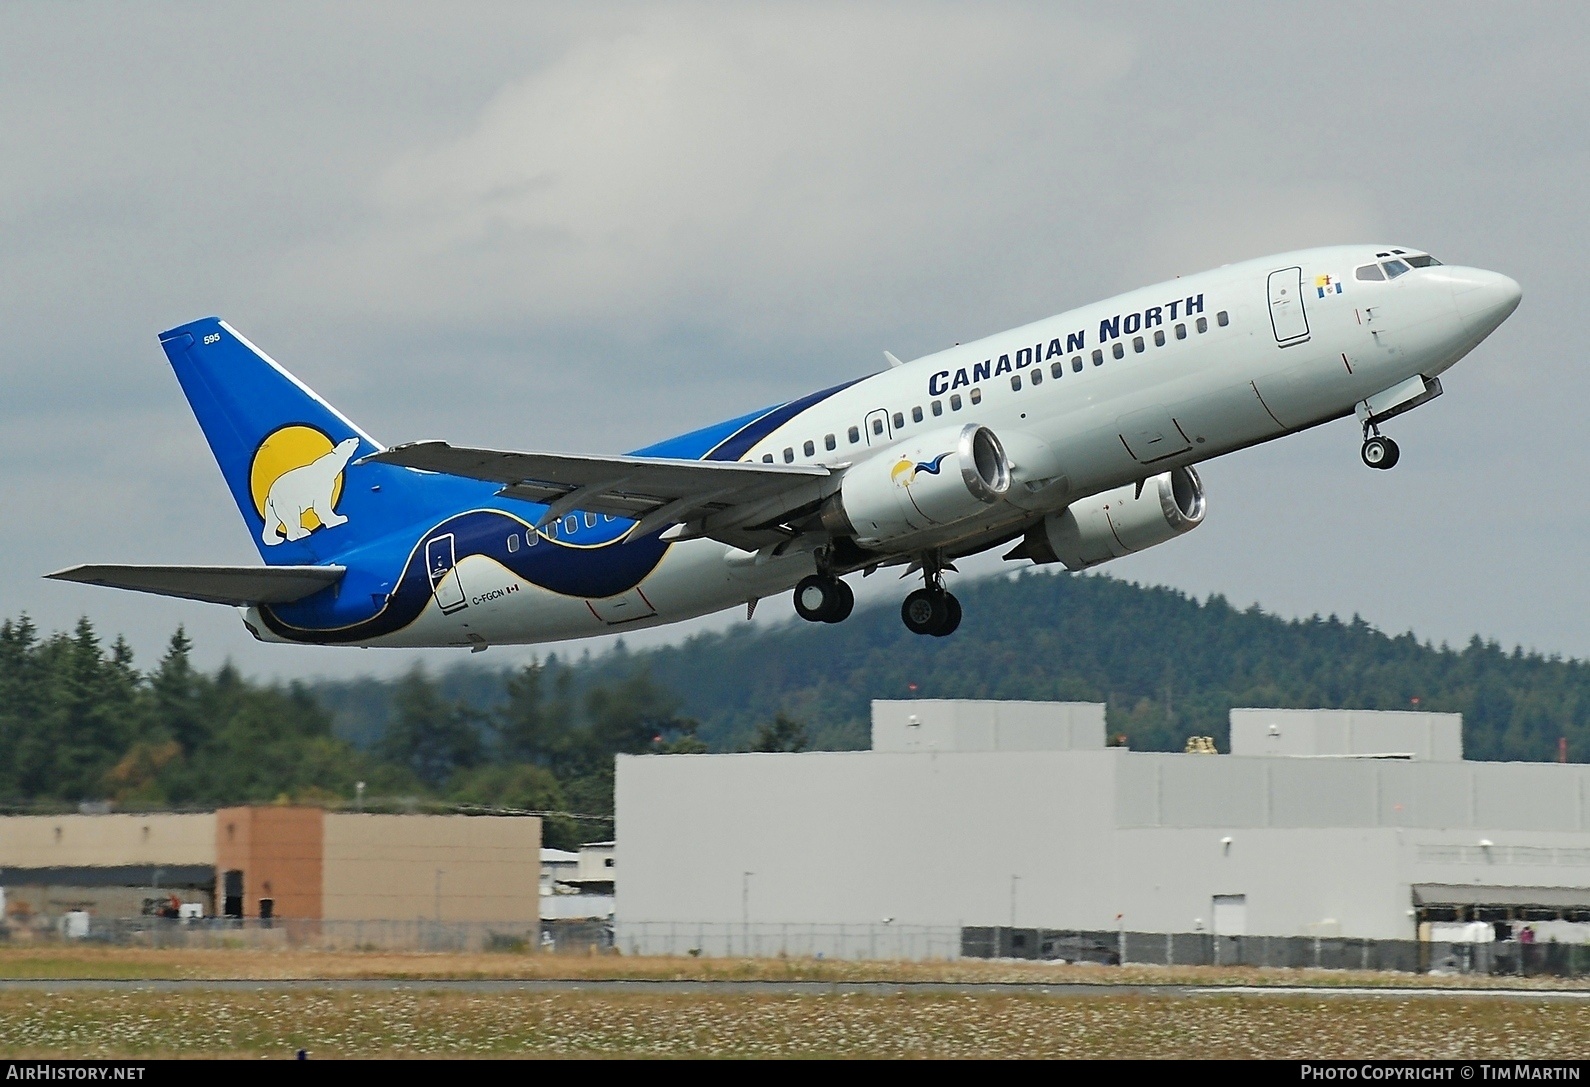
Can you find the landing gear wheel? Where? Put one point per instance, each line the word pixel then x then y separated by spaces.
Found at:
pixel 952 617
pixel 1380 452
pixel 923 611
pixel 820 599
pixel 844 603
pixel 931 611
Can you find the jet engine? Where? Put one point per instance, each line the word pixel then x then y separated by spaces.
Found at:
pixel 940 478
pixel 1119 522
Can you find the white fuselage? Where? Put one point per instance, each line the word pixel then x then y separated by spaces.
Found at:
pixel 1127 388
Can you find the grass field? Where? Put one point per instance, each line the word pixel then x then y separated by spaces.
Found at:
pixel 124 963
pixel 365 1024
pixel 1106 1021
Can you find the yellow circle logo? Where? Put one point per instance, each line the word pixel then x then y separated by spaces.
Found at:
pixel 284 450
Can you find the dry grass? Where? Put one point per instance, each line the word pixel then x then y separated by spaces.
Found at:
pixel 585 1024
pixel 63 961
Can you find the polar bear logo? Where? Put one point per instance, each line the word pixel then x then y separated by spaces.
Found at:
pixel 307 489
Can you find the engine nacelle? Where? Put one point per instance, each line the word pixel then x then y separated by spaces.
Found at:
pixel 937 479
pixel 1119 522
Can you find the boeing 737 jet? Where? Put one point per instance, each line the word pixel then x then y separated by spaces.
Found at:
pixel 1071 440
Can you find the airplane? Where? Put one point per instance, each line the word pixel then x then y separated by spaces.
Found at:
pixel 1074 438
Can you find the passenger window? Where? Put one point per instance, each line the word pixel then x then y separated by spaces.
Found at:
pixel 767 458
pixel 1056 368
pixel 938 407
pixel 1394 268
pixel 1181 332
pixel 810 449
pixel 590 520
pixel 553 530
pixel 1037 375
pixel 854 435
pixel 789 454
pixel 1203 324
pixel 1370 272
pixel 829 442
pixel 513 542
pixel 531 538
pixel 1015 383
pixel 1117 350
pixel 1137 344
pixel 1223 318
pixel 899 420
pixel 607 516
pixel 916 415
pixel 976 395
pixel 877 426
pixel 1159 337
pixel 571 525
pixel 955 402
pixel 1098 359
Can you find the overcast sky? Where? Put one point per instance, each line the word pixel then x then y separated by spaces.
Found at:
pixel 586 227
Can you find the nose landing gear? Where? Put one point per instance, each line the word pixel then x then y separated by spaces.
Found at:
pixel 1378 451
pixel 931 610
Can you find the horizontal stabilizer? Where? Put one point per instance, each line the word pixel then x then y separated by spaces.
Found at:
pixel 236 585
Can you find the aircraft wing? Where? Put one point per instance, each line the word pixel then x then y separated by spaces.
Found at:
pixel 236 585
pixel 727 500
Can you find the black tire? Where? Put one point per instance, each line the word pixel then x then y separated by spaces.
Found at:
pixel 1393 454
pixel 924 611
pixel 814 598
pixel 1379 452
pixel 952 617
pixel 844 603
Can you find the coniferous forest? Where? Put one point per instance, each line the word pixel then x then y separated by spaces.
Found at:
pixel 80 720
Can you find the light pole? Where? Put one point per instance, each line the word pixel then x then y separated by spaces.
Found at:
pixel 745 908
pixel 1013 881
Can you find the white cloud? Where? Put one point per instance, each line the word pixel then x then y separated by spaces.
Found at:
pixel 788 168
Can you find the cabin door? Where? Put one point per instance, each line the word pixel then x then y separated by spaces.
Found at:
pixel 1287 317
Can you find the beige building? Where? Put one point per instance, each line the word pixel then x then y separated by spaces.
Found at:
pixel 276 862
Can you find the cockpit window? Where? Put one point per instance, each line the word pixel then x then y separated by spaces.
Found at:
pixel 1422 262
pixel 1370 272
pixel 1394 268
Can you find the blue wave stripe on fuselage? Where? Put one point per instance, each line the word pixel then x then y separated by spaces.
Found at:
pixel 590 564
pixel 585 572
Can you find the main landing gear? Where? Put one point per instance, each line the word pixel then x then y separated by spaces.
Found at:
pixel 1379 451
pixel 931 609
pixel 823 598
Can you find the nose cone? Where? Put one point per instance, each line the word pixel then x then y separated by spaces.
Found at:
pixel 1484 299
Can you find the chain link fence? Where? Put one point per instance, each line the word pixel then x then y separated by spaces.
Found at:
pixel 767 940
pixel 314 935
pixel 1293 952
pixel 877 941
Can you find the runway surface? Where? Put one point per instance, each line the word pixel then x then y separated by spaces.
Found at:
pixel 770 988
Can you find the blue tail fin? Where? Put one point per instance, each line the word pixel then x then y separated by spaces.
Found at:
pixel 287 455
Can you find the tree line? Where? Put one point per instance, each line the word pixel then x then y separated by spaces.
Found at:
pixel 80 721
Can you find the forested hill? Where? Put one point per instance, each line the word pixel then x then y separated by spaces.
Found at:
pixel 80 720
pixel 1168 665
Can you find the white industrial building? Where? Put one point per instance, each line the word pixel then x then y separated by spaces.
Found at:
pixel 1319 823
